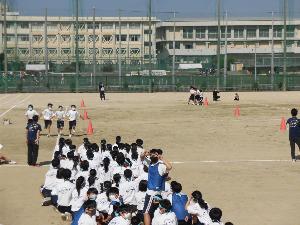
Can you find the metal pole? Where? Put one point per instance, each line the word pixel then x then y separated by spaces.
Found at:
pixel 284 45
pixel 46 46
pixel 76 45
pixel 150 46
pixel 5 45
pixel 173 65
pixel 94 44
pixel 219 42
pixel 272 59
pixel 225 49
pixel 120 50
pixel 255 65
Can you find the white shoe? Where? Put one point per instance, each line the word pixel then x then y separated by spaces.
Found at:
pixel 70 135
pixel 293 160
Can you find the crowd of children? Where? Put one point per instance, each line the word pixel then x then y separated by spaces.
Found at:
pixel 196 96
pixel 120 184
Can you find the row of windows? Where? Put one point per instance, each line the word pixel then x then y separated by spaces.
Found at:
pixel 212 33
pixel 66 51
pixel 90 25
pixel 67 38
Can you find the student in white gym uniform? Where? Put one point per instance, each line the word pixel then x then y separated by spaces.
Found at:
pixel 30 113
pixel 89 215
pixel 72 115
pixel 163 214
pixel 48 114
pixel 60 116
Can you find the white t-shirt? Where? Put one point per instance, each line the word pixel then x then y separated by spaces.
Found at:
pixel 139 200
pixel 216 223
pixel 119 221
pixel 104 176
pixel 31 113
pixel 168 218
pixel 102 203
pixel 127 191
pixel 192 92
pixel 48 114
pixel 84 174
pixel 50 179
pixel 67 164
pixel 78 200
pixel 85 219
pixel 72 114
pixel 202 214
pixel 60 115
pixel 64 193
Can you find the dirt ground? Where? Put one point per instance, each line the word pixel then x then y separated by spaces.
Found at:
pixel 241 165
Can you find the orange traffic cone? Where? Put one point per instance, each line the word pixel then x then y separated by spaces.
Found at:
pixel 85 115
pixel 82 103
pixel 237 111
pixel 90 129
pixel 283 124
pixel 205 102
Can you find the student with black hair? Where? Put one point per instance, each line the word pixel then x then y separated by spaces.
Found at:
pixel 64 194
pixel 33 130
pixel 104 172
pixel 139 198
pixel 135 220
pixel 89 215
pixel 228 223
pixel 178 201
pixel 48 115
pixel 139 145
pixel 115 202
pixel 123 217
pixel 118 141
pixel 127 188
pixel 72 115
pixel 60 116
pixel 192 95
pixel 83 170
pixel 158 168
pixel 101 91
pixel 215 216
pixel 216 96
pixel 102 200
pixel 30 113
pixel 50 178
pixel 68 162
pixel 163 215
pixel 198 208
pixel 294 132
pixel 78 195
pixel 116 180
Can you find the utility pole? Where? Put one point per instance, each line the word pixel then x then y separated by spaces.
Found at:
pixel 173 64
pixel 272 57
pixel 255 64
pixel 120 51
pixel 5 45
pixel 284 44
pixel 46 46
pixel 76 45
pixel 225 49
pixel 150 46
pixel 94 45
pixel 219 42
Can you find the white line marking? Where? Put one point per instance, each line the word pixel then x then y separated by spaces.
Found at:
pixel 15 106
pixel 14 98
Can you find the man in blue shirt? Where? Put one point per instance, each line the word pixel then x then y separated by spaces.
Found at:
pixel 33 130
pixel 294 132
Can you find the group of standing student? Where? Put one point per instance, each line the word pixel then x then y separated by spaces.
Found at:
pixel 33 128
pixel 196 96
pixel 120 184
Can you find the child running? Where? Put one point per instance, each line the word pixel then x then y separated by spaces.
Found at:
pixel 30 113
pixel 48 115
pixel 60 116
pixel 72 115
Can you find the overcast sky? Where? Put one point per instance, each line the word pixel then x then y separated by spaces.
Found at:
pixel 186 8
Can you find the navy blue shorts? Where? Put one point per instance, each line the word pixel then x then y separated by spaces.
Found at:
pixel 72 124
pixel 48 123
pixel 60 124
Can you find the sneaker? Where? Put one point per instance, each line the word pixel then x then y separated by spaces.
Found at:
pixel 70 135
pixel 293 160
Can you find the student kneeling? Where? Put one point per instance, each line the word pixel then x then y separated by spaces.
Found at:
pixel 215 95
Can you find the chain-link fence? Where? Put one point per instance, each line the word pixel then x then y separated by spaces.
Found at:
pixel 83 83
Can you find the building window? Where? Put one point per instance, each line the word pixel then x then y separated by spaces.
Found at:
pixel 200 33
pixel 238 32
pixel 289 43
pixel 51 26
pixel 23 51
pixel 51 38
pixel 188 32
pixel 23 37
pixel 188 46
pixel 107 26
pixel 228 32
pixel 134 51
pixel 91 26
pixel 37 51
pixel 107 38
pixel 277 32
pixel 52 51
pixel 134 26
pixel 81 38
pixel 81 51
pixel 91 51
pixel 66 51
pixel 107 51
pixel 66 38
pixel 37 38
pixel 251 32
pixel 177 45
pixel 123 37
pixel 10 25
pixel 10 51
pixel 91 38
pixel 264 32
pixel 37 25
pixel 123 51
pixel 212 33
pixel 123 26
pixel 24 25
pixel 134 37
pixel 10 37
pixel 290 32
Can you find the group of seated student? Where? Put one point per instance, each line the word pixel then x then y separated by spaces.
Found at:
pixel 120 184
pixel 196 96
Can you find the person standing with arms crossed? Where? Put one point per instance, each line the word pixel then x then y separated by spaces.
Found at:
pixel 102 91
pixel 294 132
pixel 32 139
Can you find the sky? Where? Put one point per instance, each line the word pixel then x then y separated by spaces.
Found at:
pixel 185 8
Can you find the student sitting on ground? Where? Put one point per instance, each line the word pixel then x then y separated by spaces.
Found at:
pixel 236 97
pixel 215 215
pixel 163 215
pixel 89 215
